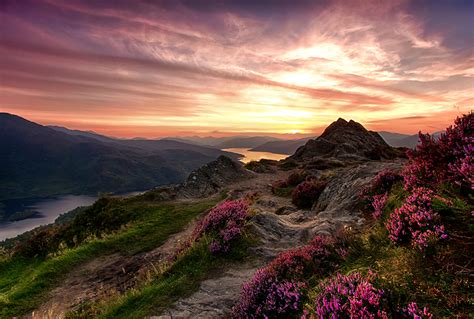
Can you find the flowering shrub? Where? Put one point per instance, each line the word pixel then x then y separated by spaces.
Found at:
pixel 266 296
pixel 382 183
pixel 307 193
pixel 295 178
pixel 318 257
pixel 286 277
pixel 351 296
pixel 414 311
pixel 292 180
pixel 375 195
pixel 416 222
pixel 378 204
pixel 223 224
pixel 278 185
pixel 447 159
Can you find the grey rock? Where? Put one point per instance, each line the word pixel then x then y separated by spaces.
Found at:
pixel 213 177
pixel 345 141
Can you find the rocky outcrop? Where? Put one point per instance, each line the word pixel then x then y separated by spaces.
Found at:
pixel 341 195
pixel 344 140
pixel 213 177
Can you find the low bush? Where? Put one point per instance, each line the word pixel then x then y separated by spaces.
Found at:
pixel 267 296
pixel 224 225
pixel 450 158
pixel 378 203
pixel 279 290
pixel 307 193
pixel 416 223
pixel 358 296
pixel 351 296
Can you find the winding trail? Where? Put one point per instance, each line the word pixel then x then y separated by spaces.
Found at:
pixel 278 223
pixel 281 226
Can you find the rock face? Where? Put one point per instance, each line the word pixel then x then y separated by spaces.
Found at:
pixel 341 195
pixel 345 141
pixel 213 177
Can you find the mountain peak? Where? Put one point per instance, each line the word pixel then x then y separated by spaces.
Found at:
pixel 346 140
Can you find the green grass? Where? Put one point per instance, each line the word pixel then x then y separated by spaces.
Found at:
pixel 180 280
pixel 24 282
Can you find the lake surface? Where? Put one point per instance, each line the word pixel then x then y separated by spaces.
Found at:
pixel 49 209
pixel 249 155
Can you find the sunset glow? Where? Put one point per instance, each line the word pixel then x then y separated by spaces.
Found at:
pixel 141 68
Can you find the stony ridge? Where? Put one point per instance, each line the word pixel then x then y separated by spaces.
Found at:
pixel 345 141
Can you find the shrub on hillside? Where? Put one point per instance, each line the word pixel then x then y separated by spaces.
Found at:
pixel 375 195
pixel 351 296
pixel 224 225
pixel 318 257
pixel 382 183
pixel 295 178
pixel 450 158
pixel 414 311
pixel 416 223
pixel 378 203
pixel 267 296
pixel 358 296
pixel 278 290
pixel 307 193
pixel 42 242
pixel 285 187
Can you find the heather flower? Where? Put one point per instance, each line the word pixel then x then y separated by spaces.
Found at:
pixel 416 222
pixel 414 311
pixel 295 178
pixel 286 275
pixel 224 225
pixel 378 204
pixel 351 296
pixel 380 184
pixel 446 159
pixel 307 193
pixel 266 296
pixel 320 256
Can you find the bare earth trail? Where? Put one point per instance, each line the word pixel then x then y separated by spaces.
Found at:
pixel 278 232
pixel 110 275
pixel 277 222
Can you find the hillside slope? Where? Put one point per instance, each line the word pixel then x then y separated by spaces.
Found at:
pixel 38 161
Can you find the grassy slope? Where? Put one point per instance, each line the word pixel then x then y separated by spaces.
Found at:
pixel 24 282
pixel 180 280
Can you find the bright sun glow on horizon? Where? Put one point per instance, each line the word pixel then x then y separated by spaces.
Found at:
pixel 286 69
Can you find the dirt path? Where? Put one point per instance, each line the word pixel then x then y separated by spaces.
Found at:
pixel 278 232
pixel 107 276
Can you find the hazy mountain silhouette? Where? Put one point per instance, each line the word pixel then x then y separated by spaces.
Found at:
pixel 39 161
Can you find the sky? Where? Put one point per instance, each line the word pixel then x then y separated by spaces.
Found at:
pixel 269 67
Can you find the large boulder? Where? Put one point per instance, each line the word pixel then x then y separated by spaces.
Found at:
pixel 344 140
pixel 213 177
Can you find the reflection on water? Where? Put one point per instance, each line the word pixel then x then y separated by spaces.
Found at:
pixel 49 209
pixel 249 155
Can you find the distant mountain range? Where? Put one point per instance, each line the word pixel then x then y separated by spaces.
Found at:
pixel 40 161
pixel 286 147
pixel 228 141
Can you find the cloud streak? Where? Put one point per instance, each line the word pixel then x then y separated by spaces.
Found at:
pixel 274 66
